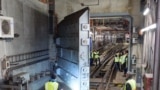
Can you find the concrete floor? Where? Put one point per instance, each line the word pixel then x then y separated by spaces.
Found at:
pixel 62 86
pixel 117 82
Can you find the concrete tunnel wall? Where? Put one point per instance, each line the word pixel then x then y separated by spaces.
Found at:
pixel 132 7
pixel 31 23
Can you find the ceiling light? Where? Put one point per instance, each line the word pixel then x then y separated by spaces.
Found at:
pixel 151 27
pixel 146 11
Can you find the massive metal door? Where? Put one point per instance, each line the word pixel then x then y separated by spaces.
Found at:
pixel 73 50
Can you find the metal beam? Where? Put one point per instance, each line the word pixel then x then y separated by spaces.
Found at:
pixel 93 15
pixel 9 87
pixel 157 53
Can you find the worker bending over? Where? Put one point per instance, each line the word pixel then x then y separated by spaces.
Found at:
pixel 130 83
pixel 52 84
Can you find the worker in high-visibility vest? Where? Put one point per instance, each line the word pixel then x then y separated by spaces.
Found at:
pixel 92 58
pixel 116 61
pixel 130 83
pixel 97 57
pixel 124 62
pixel 52 84
pixel 121 61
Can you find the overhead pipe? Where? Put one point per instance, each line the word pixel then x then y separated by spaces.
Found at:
pixel 156 72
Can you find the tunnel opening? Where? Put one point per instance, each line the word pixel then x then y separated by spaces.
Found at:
pixel 109 35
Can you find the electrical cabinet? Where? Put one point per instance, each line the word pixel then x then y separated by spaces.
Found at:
pixel 148 81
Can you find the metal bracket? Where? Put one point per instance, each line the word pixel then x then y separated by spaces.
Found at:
pixel 85 41
pixel 85 27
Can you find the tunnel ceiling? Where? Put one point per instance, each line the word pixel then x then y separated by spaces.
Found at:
pixel 107 5
pixel 96 6
pixel 132 7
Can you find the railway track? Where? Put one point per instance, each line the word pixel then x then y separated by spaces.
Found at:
pixel 100 76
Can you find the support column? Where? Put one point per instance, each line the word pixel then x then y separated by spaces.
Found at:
pixel 51 13
pixel 156 72
pixel 130 44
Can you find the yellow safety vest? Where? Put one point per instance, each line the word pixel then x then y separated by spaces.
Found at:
pixel 120 59
pixel 116 59
pixel 126 60
pixel 51 85
pixel 96 55
pixel 132 83
pixel 123 59
pixel 92 55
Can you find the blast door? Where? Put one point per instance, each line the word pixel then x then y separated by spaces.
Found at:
pixel 73 50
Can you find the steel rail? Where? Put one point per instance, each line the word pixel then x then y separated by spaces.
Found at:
pixel 105 81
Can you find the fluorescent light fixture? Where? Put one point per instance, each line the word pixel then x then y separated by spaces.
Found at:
pixel 90 33
pixel 146 11
pixel 151 27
